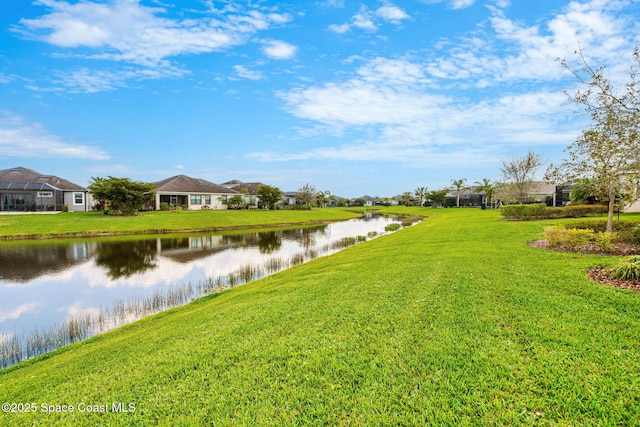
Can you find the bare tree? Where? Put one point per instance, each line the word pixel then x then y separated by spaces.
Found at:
pixel 307 195
pixel 607 154
pixel 600 93
pixel 520 172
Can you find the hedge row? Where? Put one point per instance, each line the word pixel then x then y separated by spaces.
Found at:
pixel 542 211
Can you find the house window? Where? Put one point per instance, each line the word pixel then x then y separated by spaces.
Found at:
pixel 223 199
pixel 196 200
pixel 45 193
pixel 207 199
pixel 78 198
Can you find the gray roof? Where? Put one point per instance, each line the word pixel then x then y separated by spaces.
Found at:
pixel 542 187
pixel 370 199
pixel 230 183
pixel 26 179
pixel 252 187
pixel 186 184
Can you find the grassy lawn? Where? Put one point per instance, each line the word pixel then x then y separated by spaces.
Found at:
pixel 455 321
pixel 94 223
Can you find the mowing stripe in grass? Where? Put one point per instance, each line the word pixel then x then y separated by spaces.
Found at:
pixel 455 321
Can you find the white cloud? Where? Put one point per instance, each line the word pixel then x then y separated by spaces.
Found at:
pixel 532 51
pixel 364 20
pixel 18 138
pixel 391 13
pixel 333 3
pixel 340 29
pixel 245 73
pixel 278 49
pixel 368 20
pixel 126 31
pixel 462 4
pixel 392 111
pixel 5 78
pixel 17 312
pixel 392 70
pixel 495 90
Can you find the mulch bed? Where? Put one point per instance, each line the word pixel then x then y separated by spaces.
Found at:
pixel 599 274
pixel 591 249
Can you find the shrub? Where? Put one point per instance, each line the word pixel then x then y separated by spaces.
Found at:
pixel 572 238
pixel 524 212
pixel 541 211
pixel 410 220
pixel 554 235
pixel 579 211
pixel 624 231
pixel 597 225
pixel 627 269
pixel 164 206
pixel 605 241
pixel 392 227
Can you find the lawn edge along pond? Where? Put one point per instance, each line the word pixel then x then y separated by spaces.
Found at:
pixel 95 224
pixel 18 344
pixel 454 321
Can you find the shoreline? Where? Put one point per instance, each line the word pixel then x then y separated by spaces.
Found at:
pixel 104 233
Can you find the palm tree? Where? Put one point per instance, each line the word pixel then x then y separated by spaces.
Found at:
pixel 488 188
pixel 421 193
pixel 322 197
pixel 406 198
pixel 458 184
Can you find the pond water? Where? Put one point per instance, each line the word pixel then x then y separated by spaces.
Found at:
pixel 63 291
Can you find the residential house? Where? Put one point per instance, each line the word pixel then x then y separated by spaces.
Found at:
pixel 194 193
pixel 469 196
pixel 249 190
pixel 538 192
pixel 543 192
pixel 398 200
pixel 289 198
pixel 25 190
pixel 371 201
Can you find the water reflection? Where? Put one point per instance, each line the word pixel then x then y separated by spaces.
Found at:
pixel 124 259
pixel 47 284
pixel 269 242
pixel 21 262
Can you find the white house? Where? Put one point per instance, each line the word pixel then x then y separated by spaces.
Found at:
pixel 182 190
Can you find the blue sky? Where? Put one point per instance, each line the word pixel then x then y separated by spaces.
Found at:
pixel 376 97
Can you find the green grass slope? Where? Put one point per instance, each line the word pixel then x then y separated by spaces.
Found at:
pixel 454 321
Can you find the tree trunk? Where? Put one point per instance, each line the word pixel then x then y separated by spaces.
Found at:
pixel 612 202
